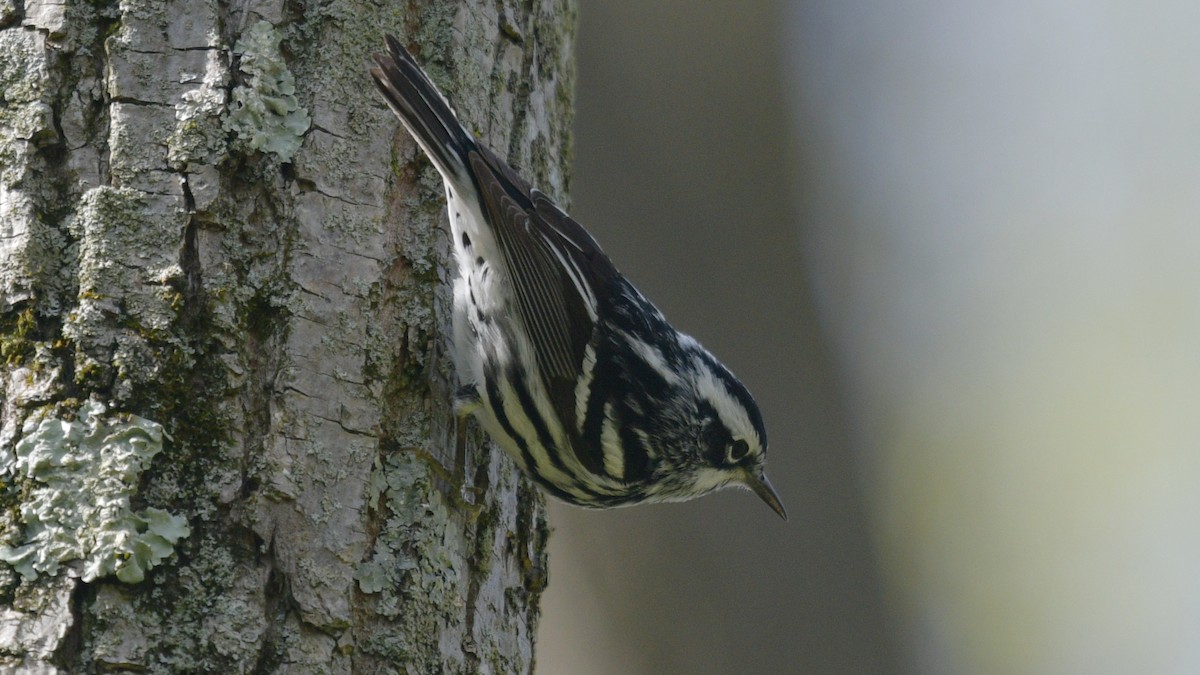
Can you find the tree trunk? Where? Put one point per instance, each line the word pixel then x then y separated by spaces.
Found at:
pixel 227 443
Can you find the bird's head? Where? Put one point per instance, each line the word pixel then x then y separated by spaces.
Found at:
pixel 730 440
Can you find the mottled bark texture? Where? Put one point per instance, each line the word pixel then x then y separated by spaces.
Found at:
pixel 226 442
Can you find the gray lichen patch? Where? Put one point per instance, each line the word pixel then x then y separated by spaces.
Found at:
pixel 199 137
pixel 418 572
pixel 23 75
pixel 266 114
pixel 83 474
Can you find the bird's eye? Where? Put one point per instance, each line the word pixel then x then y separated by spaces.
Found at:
pixel 738 451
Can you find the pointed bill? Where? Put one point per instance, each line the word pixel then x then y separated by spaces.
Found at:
pixel 762 487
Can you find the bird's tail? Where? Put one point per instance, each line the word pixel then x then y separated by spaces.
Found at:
pixel 424 111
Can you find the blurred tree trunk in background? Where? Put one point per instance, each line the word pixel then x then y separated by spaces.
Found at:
pixel 227 443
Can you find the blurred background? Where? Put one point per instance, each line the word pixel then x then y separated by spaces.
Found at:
pixel 954 249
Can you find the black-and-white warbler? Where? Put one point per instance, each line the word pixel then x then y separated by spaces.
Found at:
pixel 564 363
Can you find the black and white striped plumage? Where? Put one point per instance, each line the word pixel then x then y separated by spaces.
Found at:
pixel 564 363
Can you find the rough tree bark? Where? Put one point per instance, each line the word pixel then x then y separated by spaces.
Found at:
pixel 226 440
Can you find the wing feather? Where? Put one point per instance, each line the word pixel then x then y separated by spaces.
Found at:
pixel 559 273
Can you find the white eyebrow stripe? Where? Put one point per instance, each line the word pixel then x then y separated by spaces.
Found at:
pixel 653 358
pixel 732 414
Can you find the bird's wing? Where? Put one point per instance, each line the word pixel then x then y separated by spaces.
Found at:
pixel 560 275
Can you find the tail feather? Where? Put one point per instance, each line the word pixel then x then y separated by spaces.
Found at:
pixel 424 111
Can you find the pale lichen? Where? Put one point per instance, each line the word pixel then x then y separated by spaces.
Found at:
pixel 266 114
pixel 199 138
pixel 83 473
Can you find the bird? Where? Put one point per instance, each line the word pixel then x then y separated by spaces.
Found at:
pixel 563 362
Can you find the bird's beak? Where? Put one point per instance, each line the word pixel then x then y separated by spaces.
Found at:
pixel 762 487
